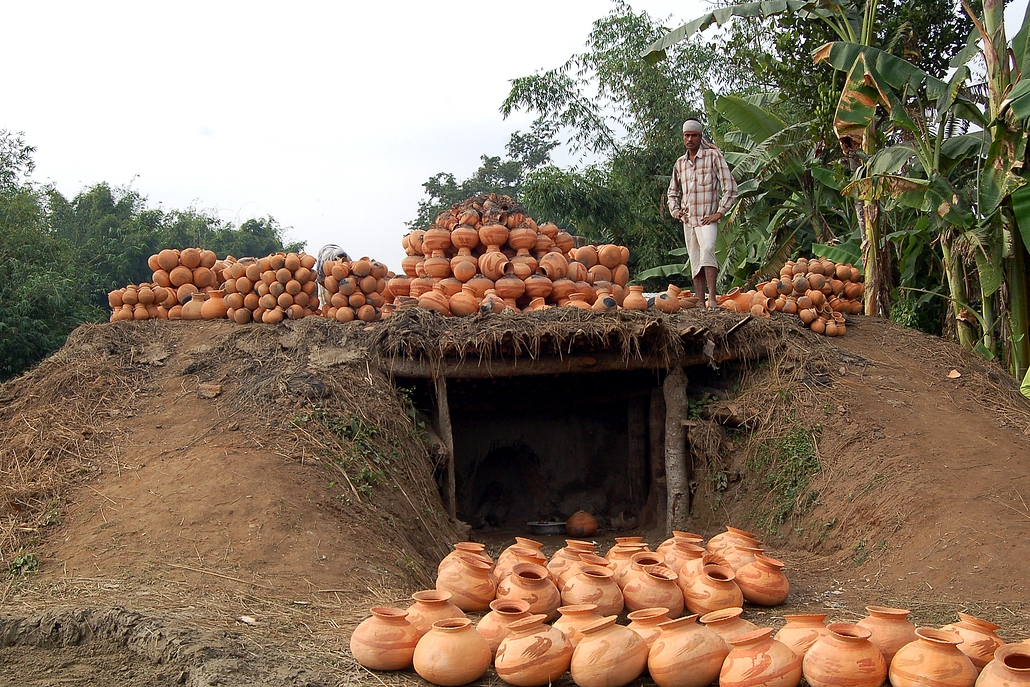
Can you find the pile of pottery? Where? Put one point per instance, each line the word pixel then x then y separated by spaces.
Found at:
pixel 820 292
pixel 356 290
pixel 144 301
pixel 177 276
pixel 487 255
pixel 270 289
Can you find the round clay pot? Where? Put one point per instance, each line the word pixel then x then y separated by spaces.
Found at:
pixel 469 581
pixel 608 655
pixel 727 623
pixel 565 557
pixel 574 617
pixel 533 584
pixel 520 543
pixel 492 234
pixel 844 656
pixel 714 589
pixel 645 623
pixel 491 263
pixel 637 560
pixel 385 641
pixel 464 236
pixel 635 299
pixel 681 551
pixel 214 308
pixel 1010 667
pixel 452 653
pixel 191 310
pixel 626 541
pixel 802 631
pixel 653 587
pixel 932 660
pixel 686 654
pixel 464 303
pixel 463 547
pixel 739 555
pixel 597 586
pixel 431 605
pixel 515 556
pixel 978 639
pixel 494 625
pixel 691 566
pixel 762 581
pixel 756 658
pixel 732 536
pixel 586 560
pixel 890 629
pixel 554 265
pixel 533 654
pixel 581 524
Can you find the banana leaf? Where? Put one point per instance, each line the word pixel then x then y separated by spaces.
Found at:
pixel 663 272
pixel 844 252
pixel 757 123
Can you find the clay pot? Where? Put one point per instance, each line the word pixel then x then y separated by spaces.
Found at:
pixel 686 654
pixel 762 581
pixel 679 553
pixel 890 629
pixel 573 618
pixel 464 236
pixel 471 586
pixel 636 562
pixel 480 285
pixel 492 263
pixel 978 639
pixel 533 654
pixel 436 238
pixel 1010 668
pixel 463 270
pixel 581 524
pixel 533 584
pixel 566 556
pixel 554 265
pixel 493 234
pixel 932 660
pixel 714 589
pixel 739 555
pixel 608 655
pixel 645 622
pixel 586 255
pixel 586 560
pixel 727 623
pixel 452 653
pixel 464 303
pixel 431 605
pixel 520 543
pixel 510 286
pixel 597 586
pixel 191 310
pixel 434 299
pixel 494 625
pixel 691 566
pixel 654 587
pixel 802 631
pixel 635 299
pixel 666 303
pixel 214 308
pixel 627 541
pixel 844 656
pixel 385 641
pixel 609 255
pixel 733 536
pixel 756 658
pixel 564 241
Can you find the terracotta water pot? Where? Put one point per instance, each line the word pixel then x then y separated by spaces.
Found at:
pixel 932 660
pixel 517 555
pixel 739 555
pixel 574 617
pixel 844 656
pixel 586 560
pixel 758 660
pixel 452 653
pixel 801 631
pixel 463 547
pixel 978 639
pixel 520 543
pixel 732 536
pixel 431 605
pixel 627 541
pixel 533 654
pixel 714 589
pixel 679 535
pixel 608 655
pixel 385 641
pixel 636 562
pixel 464 236
pixel 494 625
pixel 564 557
pixel 533 584
pixel 763 582
pixel 492 234
pixel 890 629
pixel 1010 667
pixel 680 553
pixel 581 524
pixel 654 587
pixel 621 556
pixel 645 623
pixel 492 263
pixel 554 265
pixel 191 310
pixel 727 623
pixel 635 299
pixel 686 654
pixel 594 586
pixel 691 566
pixel 464 303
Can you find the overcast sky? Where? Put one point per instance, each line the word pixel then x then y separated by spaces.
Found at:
pixel 326 117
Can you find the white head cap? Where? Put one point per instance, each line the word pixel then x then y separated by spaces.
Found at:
pixel 692 125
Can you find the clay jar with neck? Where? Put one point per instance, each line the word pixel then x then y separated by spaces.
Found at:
pixel 654 586
pixel 763 582
pixel 844 656
pixel 686 654
pixel 594 585
pixel 469 581
pixel 932 660
pixel 713 590
pixel 385 641
pixel 586 560
pixel 890 629
pixel 978 639
pixel 1010 667
pixel 574 617
pixel 494 625
pixel 645 623
pixel 608 655
pixel 635 299
pixel 452 653
pixel 533 654
pixel 727 623
pixel 732 536
pixel 431 605
pixel 532 584
pixel 756 658
pixel 801 631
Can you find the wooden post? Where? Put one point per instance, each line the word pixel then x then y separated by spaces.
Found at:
pixel 678 495
pixel 636 458
pixel 654 510
pixel 443 424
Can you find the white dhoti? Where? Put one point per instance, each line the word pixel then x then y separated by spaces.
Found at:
pixel 700 246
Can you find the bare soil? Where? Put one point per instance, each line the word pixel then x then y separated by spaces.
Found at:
pixel 213 541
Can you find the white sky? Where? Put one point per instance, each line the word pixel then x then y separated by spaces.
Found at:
pixel 325 116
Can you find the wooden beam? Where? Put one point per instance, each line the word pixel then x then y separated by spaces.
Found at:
pixel 550 365
pixel 443 425
pixel 654 509
pixel 677 482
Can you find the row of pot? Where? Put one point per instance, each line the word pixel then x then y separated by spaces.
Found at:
pixel 356 290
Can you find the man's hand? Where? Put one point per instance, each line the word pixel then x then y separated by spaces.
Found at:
pixel 712 219
pixel 678 214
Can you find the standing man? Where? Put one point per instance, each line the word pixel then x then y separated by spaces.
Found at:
pixel 701 192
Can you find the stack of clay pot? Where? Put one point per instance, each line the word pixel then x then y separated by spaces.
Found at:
pixel 357 290
pixel 144 301
pixel 271 289
pixel 820 292
pixel 181 282
pixel 487 255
